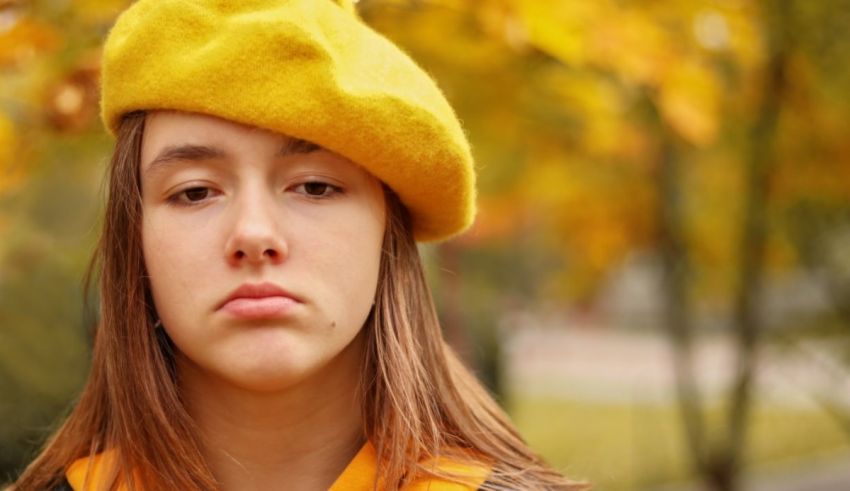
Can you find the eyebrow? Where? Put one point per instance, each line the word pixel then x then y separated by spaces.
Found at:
pixel 172 154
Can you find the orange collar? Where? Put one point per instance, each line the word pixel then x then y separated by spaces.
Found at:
pixel 99 465
pixel 359 475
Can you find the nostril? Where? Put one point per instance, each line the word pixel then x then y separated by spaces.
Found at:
pixel 268 254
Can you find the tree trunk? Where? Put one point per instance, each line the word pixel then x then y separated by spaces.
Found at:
pixel 760 163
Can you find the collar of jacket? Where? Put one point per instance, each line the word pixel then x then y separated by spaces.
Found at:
pixel 359 475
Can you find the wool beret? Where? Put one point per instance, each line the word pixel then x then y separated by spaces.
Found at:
pixel 309 69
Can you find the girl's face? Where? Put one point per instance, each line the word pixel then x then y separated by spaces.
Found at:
pixel 227 205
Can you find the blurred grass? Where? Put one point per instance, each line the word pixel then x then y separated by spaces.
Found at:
pixel 630 447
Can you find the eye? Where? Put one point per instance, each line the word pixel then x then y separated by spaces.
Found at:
pixel 317 189
pixel 194 195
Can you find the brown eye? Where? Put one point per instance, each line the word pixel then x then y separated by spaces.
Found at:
pixel 196 194
pixel 315 188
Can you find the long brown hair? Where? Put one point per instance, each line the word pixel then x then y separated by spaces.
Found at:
pixel 419 401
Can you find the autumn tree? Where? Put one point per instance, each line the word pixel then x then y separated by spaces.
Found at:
pixel 678 128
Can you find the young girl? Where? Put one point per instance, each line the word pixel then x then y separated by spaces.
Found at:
pixel 265 322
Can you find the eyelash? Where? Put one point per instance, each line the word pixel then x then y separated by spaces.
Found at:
pixel 175 200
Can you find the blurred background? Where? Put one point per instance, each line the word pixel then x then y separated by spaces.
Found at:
pixel 657 287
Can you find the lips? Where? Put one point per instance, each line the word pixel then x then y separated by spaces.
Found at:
pixel 259 300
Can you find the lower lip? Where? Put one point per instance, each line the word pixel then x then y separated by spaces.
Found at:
pixel 260 308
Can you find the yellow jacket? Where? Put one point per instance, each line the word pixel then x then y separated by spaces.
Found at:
pixel 358 475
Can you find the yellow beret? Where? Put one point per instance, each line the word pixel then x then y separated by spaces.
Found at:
pixel 309 69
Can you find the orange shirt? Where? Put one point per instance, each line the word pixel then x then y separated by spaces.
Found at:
pixel 358 475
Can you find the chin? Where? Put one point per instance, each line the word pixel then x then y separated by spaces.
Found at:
pixel 265 385
pixel 267 377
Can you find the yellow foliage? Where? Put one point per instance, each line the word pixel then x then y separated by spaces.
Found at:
pixel 557 28
pixel 10 174
pixel 599 103
pixel 430 29
pixel 632 45
pixel 599 213
pixel 627 41
pixel 549 182
pixel 99 10
pixel 7 140
pixel 498 218
pixel 689 99
pixel 607 244
pixel 25 39
pixel 745 40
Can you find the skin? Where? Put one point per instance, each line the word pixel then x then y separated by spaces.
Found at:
pixel 275 399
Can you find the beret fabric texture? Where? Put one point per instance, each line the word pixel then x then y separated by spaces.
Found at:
pixel 309 69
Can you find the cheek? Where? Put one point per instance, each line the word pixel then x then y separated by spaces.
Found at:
pixel 174 258
pixel 347 264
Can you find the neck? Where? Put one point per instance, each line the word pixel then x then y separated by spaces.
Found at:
pixel 299 439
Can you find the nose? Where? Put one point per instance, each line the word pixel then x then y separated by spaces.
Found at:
pixel 255 237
